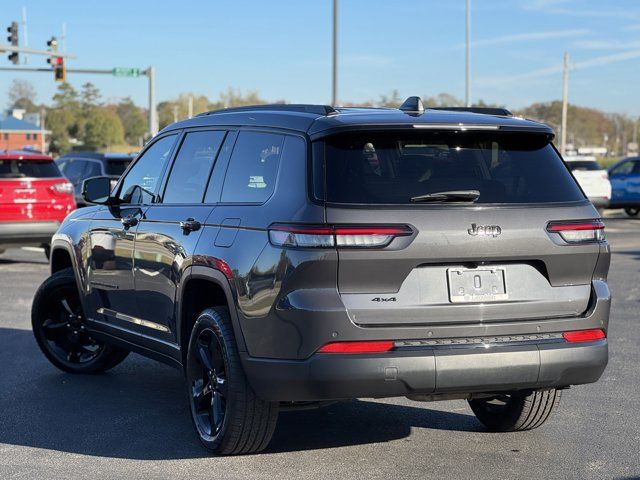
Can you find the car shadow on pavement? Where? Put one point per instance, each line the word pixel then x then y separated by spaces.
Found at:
pixel 139 410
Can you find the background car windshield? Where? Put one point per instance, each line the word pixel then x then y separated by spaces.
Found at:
pixel 391 168
pixel 28 169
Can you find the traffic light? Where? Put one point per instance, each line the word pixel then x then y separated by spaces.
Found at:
pixel 59 70
pixel 12 38
pixel 56 62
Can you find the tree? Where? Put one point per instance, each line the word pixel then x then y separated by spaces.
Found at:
pixel 102 128
pixel 133 120
pixel 394 100
pixel 89 97
pixel 59 122
pixel 443 100
pixel 22 94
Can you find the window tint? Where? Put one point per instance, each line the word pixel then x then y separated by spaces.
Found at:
pixel 117 167
pixel 583 165
pixel 139 185
pixel 192 166
pixel 253 168
pixel 74 170
pixel 391 168
pixel 28 169
pixel 92 169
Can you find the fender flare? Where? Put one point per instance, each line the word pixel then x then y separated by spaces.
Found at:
pixel 215 276
pixel 61 241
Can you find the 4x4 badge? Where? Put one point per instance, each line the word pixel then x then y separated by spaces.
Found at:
pixel 484 230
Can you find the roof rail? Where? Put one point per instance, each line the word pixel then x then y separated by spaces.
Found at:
pixel 503 112
pixel 278 107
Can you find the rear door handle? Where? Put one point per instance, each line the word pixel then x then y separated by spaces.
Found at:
pixel 190 225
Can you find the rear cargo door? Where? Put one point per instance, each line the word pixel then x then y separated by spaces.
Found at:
pixel 490 260
pixel 28 191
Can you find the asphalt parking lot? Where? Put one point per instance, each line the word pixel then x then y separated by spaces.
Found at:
pixel 133 422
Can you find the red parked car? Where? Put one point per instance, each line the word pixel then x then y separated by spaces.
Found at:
pixel 34 199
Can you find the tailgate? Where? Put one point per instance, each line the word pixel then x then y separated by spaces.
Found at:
pixel 479 205
pixel 520 273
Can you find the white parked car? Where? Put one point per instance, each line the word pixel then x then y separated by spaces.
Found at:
pixel 593 180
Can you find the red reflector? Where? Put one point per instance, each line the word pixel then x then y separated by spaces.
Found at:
pixel 584 335
pixel 563 227
pixel 223 267
pixel 357 347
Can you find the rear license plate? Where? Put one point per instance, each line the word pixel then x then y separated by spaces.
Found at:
pixel 476 285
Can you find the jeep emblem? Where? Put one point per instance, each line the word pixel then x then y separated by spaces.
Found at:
pixel 484 230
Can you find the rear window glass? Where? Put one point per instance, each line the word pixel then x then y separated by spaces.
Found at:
pixel 583 165
pixel 28 169
pixel 393 167
pixel 117 167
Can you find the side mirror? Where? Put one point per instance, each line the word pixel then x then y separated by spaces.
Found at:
pixel 96 190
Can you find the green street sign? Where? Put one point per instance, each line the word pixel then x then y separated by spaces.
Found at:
pixel 126 72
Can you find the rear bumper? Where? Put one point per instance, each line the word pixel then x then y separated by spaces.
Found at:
pixel 427 371
pixel 26 233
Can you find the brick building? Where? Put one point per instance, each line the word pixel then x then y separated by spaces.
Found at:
pixel 19 130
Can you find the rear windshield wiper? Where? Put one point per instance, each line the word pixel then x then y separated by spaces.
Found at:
pixel 448 196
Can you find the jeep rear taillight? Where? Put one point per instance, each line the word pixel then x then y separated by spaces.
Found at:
pixel 582 231
pixel 341 236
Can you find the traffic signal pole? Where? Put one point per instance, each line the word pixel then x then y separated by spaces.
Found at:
pixel 150 72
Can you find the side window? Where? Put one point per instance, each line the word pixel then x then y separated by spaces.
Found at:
pixel 74 170
pixel 139 186
pixel 93 169
pixel 192 166
pixel 623 169
pixel 253 168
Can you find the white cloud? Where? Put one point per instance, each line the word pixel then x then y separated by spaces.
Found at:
pixel 529 36
pixel 605 45
pixel 556 69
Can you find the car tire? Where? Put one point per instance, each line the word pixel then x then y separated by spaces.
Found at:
pixel 632 211
pixel 58 324
pixel 227 415
pixel 517 411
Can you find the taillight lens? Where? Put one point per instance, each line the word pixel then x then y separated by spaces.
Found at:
pixel 378 346
pixel 64 188
pixel 583 231
pixel 584 335
pixel 324 236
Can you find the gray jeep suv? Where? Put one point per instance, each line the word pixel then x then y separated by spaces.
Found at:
pixel 285 256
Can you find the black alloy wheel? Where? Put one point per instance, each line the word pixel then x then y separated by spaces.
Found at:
pixel 63 328
pixel 208 380
pixel 60 328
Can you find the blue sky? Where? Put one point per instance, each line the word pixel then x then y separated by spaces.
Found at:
pixel 283 48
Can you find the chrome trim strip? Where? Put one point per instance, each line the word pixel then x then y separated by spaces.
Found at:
pixel 481 342
pixel 129 318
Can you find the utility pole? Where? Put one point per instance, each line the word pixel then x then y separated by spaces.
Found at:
pixel 334 66
pixel 190 107
pixel 565 103
pixel 63 38
pixel 153 114
pixel 467 92
pixel 25 35
pixel 43 114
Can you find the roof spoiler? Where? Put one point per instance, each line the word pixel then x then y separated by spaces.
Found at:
pixel 278 107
